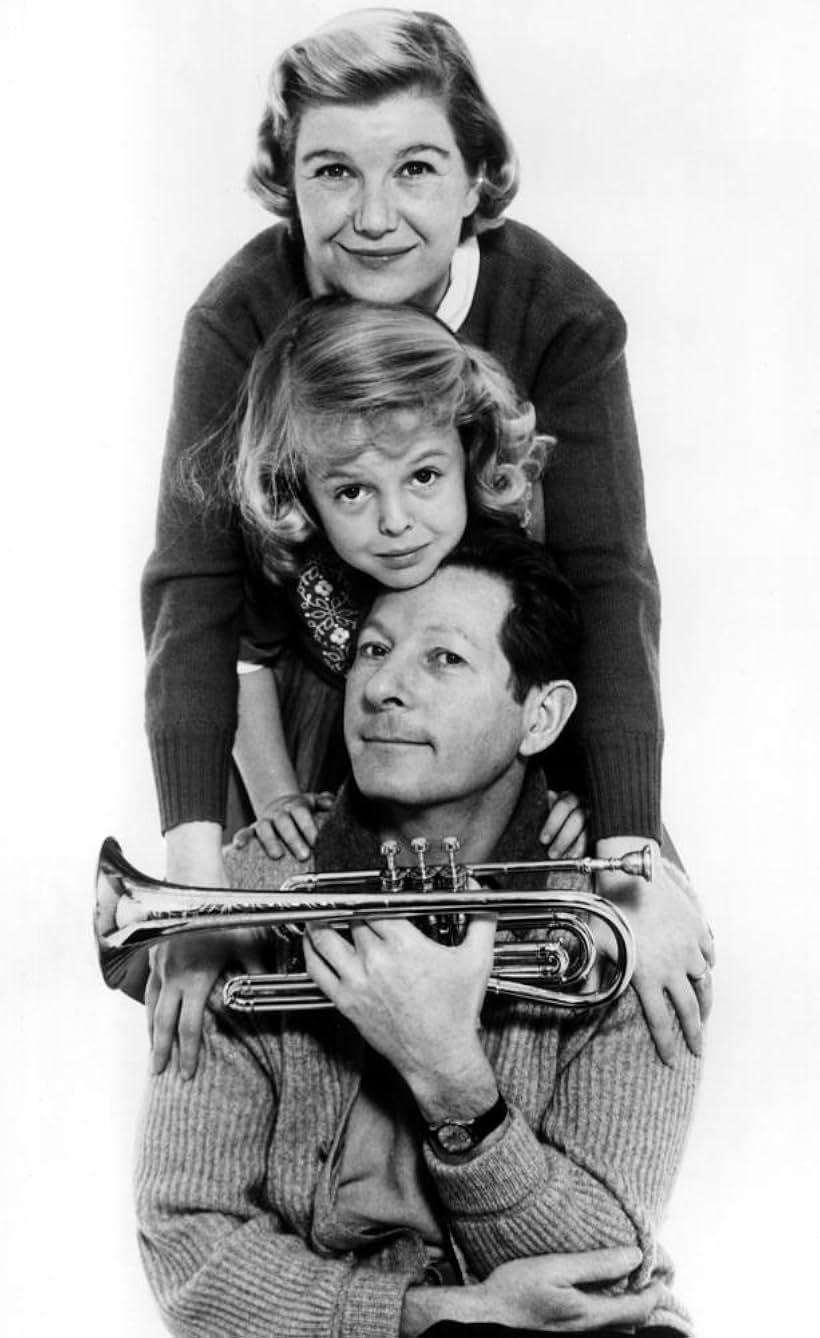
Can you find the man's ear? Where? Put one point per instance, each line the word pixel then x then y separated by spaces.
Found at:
pixel 547 709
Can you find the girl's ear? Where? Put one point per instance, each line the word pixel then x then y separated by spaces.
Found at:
pixel 546 710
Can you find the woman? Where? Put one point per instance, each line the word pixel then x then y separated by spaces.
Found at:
pixel 380 151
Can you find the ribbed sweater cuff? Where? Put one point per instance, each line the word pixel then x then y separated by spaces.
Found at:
pixel 373 1304
pixel 191 769
pixel 624 785
pixel 495 1181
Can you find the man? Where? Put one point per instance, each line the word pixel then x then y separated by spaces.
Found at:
pixel 338 1172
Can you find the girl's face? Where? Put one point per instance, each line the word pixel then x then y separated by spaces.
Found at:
pixel 395 508
pixel 382 191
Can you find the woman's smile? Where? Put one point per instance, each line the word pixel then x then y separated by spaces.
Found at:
pixel 382 194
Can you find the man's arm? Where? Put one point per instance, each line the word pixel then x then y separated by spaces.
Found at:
pixel 598 1169
pixel 592 1163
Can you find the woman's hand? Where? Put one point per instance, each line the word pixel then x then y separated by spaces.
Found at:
pixel 675 948
pixel 286 825
pixel 183 970
pixel 565 831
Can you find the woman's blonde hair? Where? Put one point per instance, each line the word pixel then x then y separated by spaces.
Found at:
pixel 368 55
pixel 325 386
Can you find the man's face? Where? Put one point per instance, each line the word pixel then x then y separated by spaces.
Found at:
pixel 429 713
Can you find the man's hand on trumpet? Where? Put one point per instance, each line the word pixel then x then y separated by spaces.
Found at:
pixel 417 1003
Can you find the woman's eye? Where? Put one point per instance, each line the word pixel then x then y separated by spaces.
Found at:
pixel 333 171
pixel 416 169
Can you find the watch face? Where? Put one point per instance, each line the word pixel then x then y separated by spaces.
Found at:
pixel 455 1137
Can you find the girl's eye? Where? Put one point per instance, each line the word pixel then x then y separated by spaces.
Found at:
pixel 426 476
pixel 416 169
pixel 352 493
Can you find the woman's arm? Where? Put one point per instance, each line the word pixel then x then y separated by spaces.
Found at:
pixel 595 524
pixel 192 589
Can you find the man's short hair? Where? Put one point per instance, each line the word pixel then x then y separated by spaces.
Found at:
pixel 541 632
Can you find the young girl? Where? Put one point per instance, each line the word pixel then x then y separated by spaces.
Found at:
pixel 370 437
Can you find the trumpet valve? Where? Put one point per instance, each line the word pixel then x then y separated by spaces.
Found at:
pixel 419 847
pixel 390 877
pixel 450 845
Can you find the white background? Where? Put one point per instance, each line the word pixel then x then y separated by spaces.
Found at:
pixel 672 150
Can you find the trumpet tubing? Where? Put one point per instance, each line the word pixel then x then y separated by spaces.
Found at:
pixel 547 949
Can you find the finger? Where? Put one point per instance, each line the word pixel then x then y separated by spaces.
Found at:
pixel 659 1021
pixel 318 968
pixel 165 1025
pixel 332 947
pixel 152 992
pixel 685 1002
pixel 630 1309
pixel 324 800
pixel 242 837
pixel 191 1018
pixel 579 847
pixel 702 985
pixel 289 834
pixel 266 834
pixel 591 1266
pixel 303 818
pixel 707 945
pixel 571 831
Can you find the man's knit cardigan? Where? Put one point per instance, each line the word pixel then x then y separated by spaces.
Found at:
pixel 561 340
pixel 237 1166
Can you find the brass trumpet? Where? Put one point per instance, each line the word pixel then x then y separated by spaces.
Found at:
pixel 545 949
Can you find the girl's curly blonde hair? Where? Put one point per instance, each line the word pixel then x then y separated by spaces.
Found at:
pixel 323 388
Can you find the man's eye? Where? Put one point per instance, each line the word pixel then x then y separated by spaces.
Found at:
pixel 416 168
pixel 371 650
pixel 426 476
pixel 446 659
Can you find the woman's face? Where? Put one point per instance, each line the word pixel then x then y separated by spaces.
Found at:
pixel 382 191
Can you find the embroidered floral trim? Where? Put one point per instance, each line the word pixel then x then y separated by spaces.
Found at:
pixel 328 608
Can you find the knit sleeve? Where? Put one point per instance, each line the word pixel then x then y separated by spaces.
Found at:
pixel 596 526
pixel 222 1259
pixel 192 589
pixel 595 1166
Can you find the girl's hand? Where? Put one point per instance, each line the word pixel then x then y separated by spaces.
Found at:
pixel 286 825
pixel 565 831
pixel 675 948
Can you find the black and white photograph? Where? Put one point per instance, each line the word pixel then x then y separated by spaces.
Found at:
pixel 412 480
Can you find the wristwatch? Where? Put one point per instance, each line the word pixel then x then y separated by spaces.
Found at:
pixel 455 1137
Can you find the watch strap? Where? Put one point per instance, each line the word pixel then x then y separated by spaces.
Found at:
pixel 471 1132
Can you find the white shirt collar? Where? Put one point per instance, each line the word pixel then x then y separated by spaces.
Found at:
pixel 456 302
